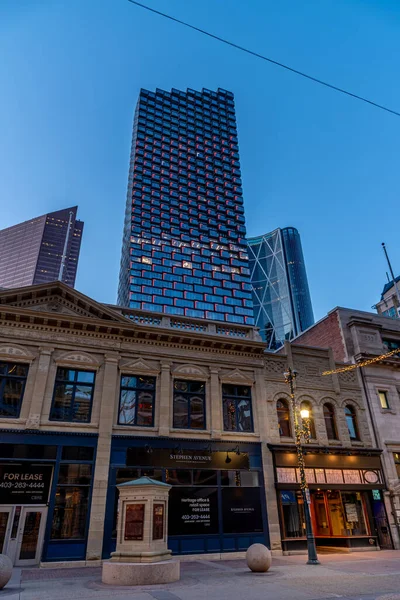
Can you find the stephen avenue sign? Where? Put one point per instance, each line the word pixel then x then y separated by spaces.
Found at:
pixel 163 457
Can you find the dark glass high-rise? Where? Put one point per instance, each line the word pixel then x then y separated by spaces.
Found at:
pixel 184 249
pixel 281 296
pixel 31 252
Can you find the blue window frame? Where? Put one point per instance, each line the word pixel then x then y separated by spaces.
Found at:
pixel 137 400
pixel 73 395
pixel 12 386
pixel 189 404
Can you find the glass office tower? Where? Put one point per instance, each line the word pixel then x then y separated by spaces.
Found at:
pixel 31 252
pixel 184 249
pixel 281 297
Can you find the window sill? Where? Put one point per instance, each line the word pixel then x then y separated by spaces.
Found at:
pixel 335 443
pixel 388 411
pixel 126 428
pixel 9 420
pixel 240 433
pixel 191 431
pixel 69 424
pixel 357 443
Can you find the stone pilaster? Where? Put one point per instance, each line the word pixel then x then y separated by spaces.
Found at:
pixel 267 460
pixel 271 499
pixel 215 404
pixel 165 399
pixel 100 482
pixel 39 387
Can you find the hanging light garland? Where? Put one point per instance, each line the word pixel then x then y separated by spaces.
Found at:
pixel 364 363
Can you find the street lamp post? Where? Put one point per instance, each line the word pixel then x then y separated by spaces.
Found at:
pixel 300 432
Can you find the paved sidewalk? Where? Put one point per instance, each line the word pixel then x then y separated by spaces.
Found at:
pixel 358 576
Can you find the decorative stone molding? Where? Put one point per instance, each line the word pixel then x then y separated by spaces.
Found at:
pixel 190 371
pixel 16 352
pixel 237 376
pixel 77 358
pixel 356 404
pixel 138 367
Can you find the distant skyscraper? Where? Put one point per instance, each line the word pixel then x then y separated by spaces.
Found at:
pixel 31 252
pixel 281 297
pixel 184 248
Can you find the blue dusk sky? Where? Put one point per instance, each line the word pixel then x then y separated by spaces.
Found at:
pixel 70 74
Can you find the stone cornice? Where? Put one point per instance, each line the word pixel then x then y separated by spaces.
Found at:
pixel 125 331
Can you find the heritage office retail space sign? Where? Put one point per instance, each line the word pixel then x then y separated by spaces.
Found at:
pixel 25 483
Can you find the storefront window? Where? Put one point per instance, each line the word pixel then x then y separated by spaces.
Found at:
pixel 354 513
pixel 351 420
pixel 339 513
pixel 189 404
pixel 330 423
pixel 282 408
pixel 70 512
pixel 240 478
pixel 293 514
pixel 136 400
pixel 75 474
pixel 12 384
pixel 237 408
pixel 73 395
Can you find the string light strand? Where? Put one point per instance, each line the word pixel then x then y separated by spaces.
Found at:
pixel 363 363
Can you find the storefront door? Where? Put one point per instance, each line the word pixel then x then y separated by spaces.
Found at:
pixel 21 533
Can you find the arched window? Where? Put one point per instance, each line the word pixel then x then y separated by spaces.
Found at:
pixel 351 419
pixel 307 406
pixel 282 408
pixel 330 423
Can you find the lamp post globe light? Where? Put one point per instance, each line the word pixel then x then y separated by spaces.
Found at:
pixel 301 433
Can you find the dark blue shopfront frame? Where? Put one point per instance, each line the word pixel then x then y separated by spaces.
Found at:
pixel 188 544
pixel 56 550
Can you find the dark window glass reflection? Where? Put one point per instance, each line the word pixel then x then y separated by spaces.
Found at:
pixel 12 384
pixel 282 408
pixel 237 409
pixel 72 400
pixel 189 404
pixel 136 401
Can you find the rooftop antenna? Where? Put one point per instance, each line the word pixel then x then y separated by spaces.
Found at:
pixel 64 254
pixel 392 274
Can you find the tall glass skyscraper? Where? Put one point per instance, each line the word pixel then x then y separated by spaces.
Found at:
pixel 31 252
pixel 184 248
pixel 281 297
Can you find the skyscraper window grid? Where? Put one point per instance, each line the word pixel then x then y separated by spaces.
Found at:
pixel 184 250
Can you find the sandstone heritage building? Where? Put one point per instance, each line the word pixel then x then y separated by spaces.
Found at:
pixel 356 336
pixel 93 395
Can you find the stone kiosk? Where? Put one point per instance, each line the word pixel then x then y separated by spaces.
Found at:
pixel 142 556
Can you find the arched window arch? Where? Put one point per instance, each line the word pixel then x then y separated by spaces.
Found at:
pixel 283 411
pixel 330 421
pixel 351 419
pixel 307 406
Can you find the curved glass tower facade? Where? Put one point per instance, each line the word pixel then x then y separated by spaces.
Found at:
pixel 281 296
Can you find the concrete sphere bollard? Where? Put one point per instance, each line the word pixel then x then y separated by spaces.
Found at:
pixel 258 558
pixel 5 570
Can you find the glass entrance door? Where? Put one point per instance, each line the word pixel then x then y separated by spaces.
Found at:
pixel 30 535
pixel 5 526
